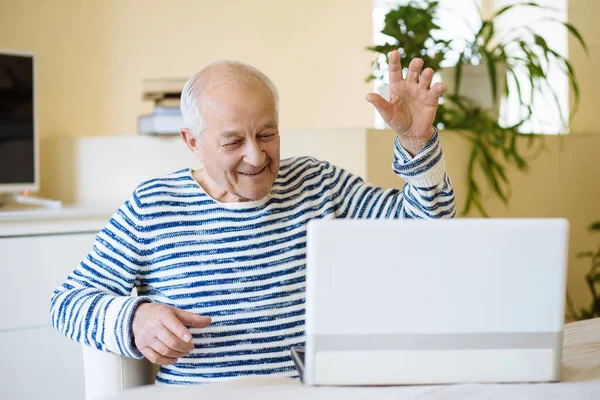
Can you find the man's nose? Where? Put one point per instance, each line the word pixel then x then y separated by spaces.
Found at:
pixel 254 154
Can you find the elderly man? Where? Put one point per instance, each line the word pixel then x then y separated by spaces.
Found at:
pixel 217 255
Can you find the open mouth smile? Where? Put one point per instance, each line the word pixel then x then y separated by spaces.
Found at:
pixel 255 173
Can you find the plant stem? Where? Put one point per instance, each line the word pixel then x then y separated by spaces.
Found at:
pixel 571 309
pixel 596 300
pixel 471 193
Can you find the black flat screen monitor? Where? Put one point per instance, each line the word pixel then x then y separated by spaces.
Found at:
pixel 18 126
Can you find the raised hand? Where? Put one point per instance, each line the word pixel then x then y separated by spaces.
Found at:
pixel 411 108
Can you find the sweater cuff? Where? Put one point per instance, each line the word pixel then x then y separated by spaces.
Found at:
pixel 426 169
pixel 118 333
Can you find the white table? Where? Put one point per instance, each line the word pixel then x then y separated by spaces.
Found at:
pixel 580 380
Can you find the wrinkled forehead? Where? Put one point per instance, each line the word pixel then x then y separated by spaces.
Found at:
pixel 238 109
pixel 229 85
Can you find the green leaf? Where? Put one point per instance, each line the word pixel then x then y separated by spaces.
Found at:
pixel 501 173
pixel 541 42
pixel 574 84
pixel 486 162
pixel 585 254
pixel 528 4
pixel 571 30
pixel 517 84
pixel 529 67
pixel 586 314
pixel 570 307
pixel 520 162
pixel 482 28
pixel 458 74
pixel 480 207
pixel 576 33
pixel 568 69
pixel 492 75
pixel 595 226
pixel 489 33
pixel 473 189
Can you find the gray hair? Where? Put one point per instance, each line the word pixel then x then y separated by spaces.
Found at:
pixel 205 79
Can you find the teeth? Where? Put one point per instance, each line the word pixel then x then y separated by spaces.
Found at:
pixel 255 173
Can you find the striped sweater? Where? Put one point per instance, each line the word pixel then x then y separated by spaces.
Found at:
pixel 242 264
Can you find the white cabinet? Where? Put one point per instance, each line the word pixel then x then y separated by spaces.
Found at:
pixel 32 267
pixel 38 249
pixel 38 363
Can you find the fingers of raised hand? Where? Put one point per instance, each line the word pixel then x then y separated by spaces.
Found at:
pixel 426 77
pixel 384 108
pixel 436 90
pixel 414 70
pixel 395 67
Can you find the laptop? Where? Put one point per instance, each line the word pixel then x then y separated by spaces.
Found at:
pixel 396 302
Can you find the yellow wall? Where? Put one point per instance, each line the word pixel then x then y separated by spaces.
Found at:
pixel 562 183
pixel 93 55
pixel 583 14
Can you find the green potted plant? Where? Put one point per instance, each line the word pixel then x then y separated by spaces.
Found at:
pixel 409 29
pixel 494 146
pixel 518 53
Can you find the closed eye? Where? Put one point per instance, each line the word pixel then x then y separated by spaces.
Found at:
pixel 232 144
pixel 267 136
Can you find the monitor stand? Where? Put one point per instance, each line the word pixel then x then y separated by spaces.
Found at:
pixel 20 201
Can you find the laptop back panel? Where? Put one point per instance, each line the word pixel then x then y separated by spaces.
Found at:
pixel 409 302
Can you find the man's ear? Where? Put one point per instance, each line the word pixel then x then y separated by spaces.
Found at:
pixel 190 141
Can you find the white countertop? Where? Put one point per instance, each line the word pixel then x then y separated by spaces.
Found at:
pixel 66 212
pixel 24 221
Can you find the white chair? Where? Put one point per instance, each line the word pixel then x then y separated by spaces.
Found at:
pixel 108 374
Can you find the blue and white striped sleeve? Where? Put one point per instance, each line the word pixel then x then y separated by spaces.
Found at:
pixel 94 305
pixel 427 193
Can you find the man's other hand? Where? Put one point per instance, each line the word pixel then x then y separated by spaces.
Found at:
pixel 160 331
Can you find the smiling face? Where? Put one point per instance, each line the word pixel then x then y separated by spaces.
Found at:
pixel 239 146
